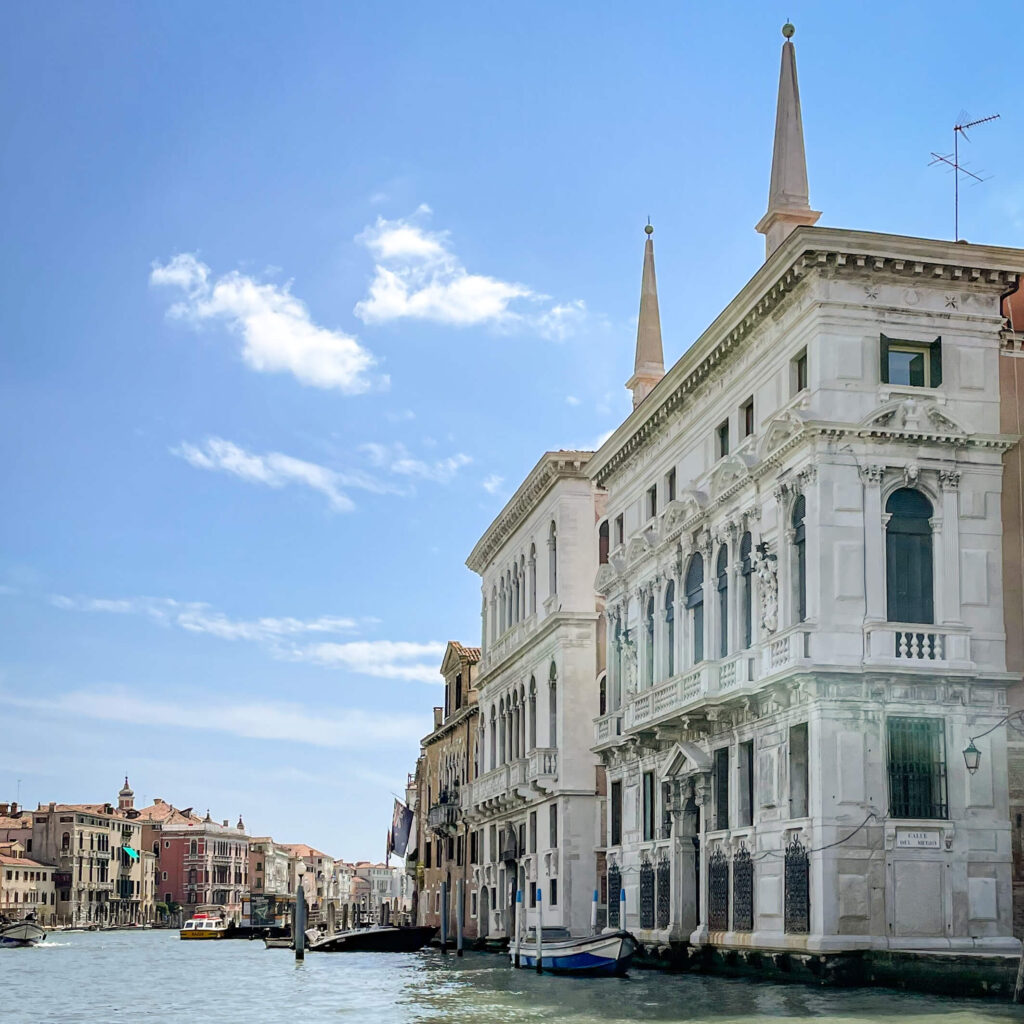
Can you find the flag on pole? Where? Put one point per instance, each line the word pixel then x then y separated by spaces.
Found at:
pixel 401 825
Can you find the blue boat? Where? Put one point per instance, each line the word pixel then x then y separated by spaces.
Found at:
pixel 608 953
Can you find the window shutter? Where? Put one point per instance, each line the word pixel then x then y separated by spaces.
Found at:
pixel 883 359
pixel 935 352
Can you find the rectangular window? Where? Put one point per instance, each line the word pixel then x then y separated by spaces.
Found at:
pixel 615 805
pixel 723 439
pixel 909 363
pixel 798 771
pixel 474 847
pixel 747 416
pixel 533 831
pixel 652 501
pixel 553 826
pixel 553 902
pixel 799 372
pixel 494 843
pixel 670 485
pixel 426 855
pixel 721 781
pixel 647 797
pixel 746 780
pixel 917 768
pixel 472 904
pixel 533 895
pixel 620 531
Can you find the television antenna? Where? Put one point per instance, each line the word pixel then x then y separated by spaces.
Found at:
pixel 953 160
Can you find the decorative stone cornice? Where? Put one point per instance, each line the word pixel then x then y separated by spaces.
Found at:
pixel 553 466
pixel 807 250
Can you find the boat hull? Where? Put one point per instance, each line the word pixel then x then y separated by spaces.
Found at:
pixel 609 954
pixel 21 933
pixel 375 940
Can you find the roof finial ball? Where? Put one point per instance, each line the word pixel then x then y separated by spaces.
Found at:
pixel 788 30
pixel 648 227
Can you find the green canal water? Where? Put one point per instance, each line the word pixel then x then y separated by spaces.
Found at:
pixel 154 977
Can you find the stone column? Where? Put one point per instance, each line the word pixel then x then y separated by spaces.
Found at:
pixel 950 579
pixel 812 541
pixel 658 593
pixel 710 600
pixel 874 544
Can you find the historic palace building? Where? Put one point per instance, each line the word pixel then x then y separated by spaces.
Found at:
pixel 802 570
pixel 446 768
pixel 533 797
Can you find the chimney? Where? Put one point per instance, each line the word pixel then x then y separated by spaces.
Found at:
pixel 14 809
pixel 157 800
pixel 225 822
pixel 4 808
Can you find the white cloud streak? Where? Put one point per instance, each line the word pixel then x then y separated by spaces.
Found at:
pixel 396 459
pixel 286 638
pixel 277 332
pixel 349 728
pixel 492 484
pixel 277 470
pixel 418 277
pixel 384 659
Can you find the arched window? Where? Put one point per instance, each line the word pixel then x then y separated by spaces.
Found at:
pixel 602 543
pixel 746 590
pixel 670 628
pixel 533 713
pixel 552 707
pixel 552 558
pixel 515 600
pixel 533 578
pixel 502 607
pixel 65 841
pixel 458 691
pixel 494 614
pixel 494 739
pixel 504 730
pixel 722 584
pixel 908 557
pixel 193 848
pixel 800 556
pixel 156 849
pixel 602 695
pixel 695 605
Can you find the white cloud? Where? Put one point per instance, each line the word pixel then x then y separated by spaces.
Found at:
pixel 278 335
pixel 571 400
pixel 199 617
pixel 384 658
pixel 396 459
pixel 349 728
pixel 492 484
pixel 273 469
pixel 418 276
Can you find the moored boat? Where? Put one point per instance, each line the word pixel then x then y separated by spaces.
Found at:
pixel 374 940
pixel 284 942
pixel 202 926
pixel 607 953
pixel 21 933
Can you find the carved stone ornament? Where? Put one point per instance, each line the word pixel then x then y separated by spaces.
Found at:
pixel 949 479
pixel 872 475
pixel 914 416
pixel 768 587
pixel 628 665
pixel 911 473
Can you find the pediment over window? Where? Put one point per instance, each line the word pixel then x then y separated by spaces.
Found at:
pixel 638 547
pixel 689 503
pixel 914 416
pixel 685 759
pixel 780 430
pixel 606 576
pixel 731 469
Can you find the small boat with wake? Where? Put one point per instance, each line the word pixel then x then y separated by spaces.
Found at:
pixel 203 926
pixel 605 953
pixel 386 939
pixel 25 932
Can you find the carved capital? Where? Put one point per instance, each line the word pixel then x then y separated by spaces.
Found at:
pixel 949 479
pixel 872 475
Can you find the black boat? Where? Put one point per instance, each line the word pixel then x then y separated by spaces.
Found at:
pixel 374 940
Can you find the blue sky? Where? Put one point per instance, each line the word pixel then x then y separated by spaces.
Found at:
pixel 293 297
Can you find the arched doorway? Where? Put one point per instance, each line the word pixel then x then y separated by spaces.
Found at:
pixel 485 911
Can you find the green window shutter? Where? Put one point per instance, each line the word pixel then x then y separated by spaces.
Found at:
pixel 883 359
pixel 935 352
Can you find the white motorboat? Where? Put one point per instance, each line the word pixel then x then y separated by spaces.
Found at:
pixel 21 933
pixel 603 953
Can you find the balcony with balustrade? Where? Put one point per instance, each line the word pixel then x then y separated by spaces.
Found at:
pixel 443 817
pixel 917 646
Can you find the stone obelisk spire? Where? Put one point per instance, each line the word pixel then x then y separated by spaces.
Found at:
pixel 650 360
pixel 788 199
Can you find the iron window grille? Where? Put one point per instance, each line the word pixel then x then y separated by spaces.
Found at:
pixel 917 768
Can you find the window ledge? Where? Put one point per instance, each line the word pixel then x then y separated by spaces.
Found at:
pixel 887 392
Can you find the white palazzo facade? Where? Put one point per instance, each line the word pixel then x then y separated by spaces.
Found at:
pixel 804 611
pixel 532 798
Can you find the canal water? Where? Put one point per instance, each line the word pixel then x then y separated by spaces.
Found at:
pixel 152 976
